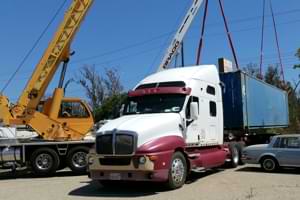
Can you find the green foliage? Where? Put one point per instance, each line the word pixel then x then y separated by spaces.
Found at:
pixel 298 56
pixel 110 107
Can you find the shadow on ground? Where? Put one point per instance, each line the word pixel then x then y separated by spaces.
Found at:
pixel 130 189
pixel 27 174
pixel 257 169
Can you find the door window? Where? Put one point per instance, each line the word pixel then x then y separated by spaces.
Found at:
pixel 188 111
pixel 213 108
pixel 73 110
pixel 290 142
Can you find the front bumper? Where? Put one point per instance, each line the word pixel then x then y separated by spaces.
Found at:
pixel 249 159
pixel 151 170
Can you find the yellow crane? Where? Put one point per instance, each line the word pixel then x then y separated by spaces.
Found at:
pixel 60 118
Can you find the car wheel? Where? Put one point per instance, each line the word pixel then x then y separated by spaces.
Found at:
pixel 269 164
pixel 44 161
pixel 177 172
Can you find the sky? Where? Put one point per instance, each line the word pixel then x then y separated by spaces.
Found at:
pixel 132 36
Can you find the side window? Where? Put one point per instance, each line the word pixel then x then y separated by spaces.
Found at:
pixel 211 90
pixel 73 110
pixel 187 111
pixel 290 142
pixel 277 143
pixel 213 108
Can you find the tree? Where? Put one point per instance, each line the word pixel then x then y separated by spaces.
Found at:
pixel 93 84
pixel 298 56
pixel 112 83
pixel 104 93
pixel 110 107
pixel 252 70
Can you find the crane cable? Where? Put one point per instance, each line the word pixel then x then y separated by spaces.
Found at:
pixel 202 33
pixel 276 39
pixel 262 40
pixel 33 47
pixel 227 31
pixel 228 34
pixel 277 42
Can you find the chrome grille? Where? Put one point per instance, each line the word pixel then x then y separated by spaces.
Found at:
pixel 116 143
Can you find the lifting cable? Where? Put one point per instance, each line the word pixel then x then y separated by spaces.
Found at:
pixel 33 47
pixel 277 42
pixel 228 35
pixel 202 33
pixel 262 40
pixel 227 31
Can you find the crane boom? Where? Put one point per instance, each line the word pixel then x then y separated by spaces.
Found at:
pixel 57 51
pixel 177 40
pixel 50 123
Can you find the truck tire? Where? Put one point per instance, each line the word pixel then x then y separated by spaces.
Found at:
pixel 234 155
pixel 44 161
pixel 269 164
pixel 77 159
pixel 177 172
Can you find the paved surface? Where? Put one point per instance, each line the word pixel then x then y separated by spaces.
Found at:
pixel 245 182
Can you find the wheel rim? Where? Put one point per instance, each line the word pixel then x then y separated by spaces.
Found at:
pixel 269 164
pixel 79 159
pixel 235 156
pixel 44 161
pixel 177 170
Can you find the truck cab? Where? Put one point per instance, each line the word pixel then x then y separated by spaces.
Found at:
pixel 170 118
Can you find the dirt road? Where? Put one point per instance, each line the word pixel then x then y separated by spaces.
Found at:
pixel 245 182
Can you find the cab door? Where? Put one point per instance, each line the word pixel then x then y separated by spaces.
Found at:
pixel 76 115
pixel 193 127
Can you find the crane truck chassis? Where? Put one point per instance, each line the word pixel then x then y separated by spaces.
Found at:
pixel 62 123
pixel 173 124
pixel 43 157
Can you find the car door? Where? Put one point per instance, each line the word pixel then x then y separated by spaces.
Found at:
pixel 289 151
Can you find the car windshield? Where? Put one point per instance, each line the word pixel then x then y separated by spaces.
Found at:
pixel 158 103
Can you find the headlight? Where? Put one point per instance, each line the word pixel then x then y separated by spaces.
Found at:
pixel 90 160
pixel 142 160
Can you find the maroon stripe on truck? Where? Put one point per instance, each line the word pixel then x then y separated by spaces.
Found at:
pixel 160 90
pixel 166 143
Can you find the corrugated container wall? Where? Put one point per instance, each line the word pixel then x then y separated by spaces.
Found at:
pixel 250 103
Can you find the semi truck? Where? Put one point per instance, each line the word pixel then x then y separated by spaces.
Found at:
pixel 57 126
pixel 174 122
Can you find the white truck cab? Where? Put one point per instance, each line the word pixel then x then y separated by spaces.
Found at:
pixel 170 119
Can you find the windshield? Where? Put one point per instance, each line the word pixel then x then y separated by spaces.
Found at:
pixel 158 103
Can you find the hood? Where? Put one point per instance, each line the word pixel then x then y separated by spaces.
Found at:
pixel 257 147
pixel 147 126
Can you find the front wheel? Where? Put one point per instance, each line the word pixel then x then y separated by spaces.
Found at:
pixel 44 161
pixel 177 171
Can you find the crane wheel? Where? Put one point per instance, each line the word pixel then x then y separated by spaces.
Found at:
pixel 77 159
pixel 44 161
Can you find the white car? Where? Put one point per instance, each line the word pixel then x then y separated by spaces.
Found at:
pixel 282 151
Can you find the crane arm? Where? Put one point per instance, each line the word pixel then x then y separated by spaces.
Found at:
pixel 177 40
pixel 57 52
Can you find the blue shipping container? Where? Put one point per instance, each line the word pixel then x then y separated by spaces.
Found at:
pixel 250 103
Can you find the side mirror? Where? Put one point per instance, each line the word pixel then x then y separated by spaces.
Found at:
pixel 122 110
pixel 194 110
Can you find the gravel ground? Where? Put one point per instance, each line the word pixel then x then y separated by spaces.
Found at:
pixel 245 182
